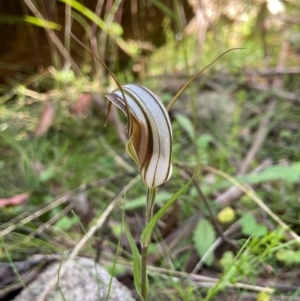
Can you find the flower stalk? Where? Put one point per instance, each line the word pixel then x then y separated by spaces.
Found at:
pixel 151 194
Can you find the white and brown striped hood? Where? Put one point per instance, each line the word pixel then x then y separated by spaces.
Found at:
pixel 150 132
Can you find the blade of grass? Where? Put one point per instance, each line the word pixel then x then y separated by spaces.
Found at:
pixel 68 24
pixel 167 11
pixel 114 30
pixel 86 12
pixel 136 262
pixel 29 19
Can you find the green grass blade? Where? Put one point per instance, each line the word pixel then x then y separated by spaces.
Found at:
pixel 165 9
pixel 112 30
pixel 136 260
pixel 9 19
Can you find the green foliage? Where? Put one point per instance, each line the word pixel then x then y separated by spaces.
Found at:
pixel 289 174
pixel 186 124
pixel 204 236
pixel 236 267
pixel 251 227
pixel 66 223
pixel 137 263
pixel 256 253
pixel 64 77
pixel 203 141
pixel 48 174
pixel 232 270
pixel 165 9
pixel 288 256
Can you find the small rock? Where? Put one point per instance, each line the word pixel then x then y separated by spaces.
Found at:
pixel 83 280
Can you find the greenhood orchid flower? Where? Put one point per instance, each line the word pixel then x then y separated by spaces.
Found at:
pixel 149 130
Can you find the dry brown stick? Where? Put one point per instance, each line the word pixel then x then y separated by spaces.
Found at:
pixel 288 19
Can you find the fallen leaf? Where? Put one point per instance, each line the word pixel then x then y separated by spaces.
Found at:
pixel 14 200
pixel 204 236
pixel 46 119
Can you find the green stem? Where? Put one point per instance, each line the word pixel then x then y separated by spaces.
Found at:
pixel 151 194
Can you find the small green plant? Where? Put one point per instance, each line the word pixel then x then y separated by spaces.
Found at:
pixel 150 146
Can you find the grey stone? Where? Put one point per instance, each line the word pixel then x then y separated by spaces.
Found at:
pixel 83 280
